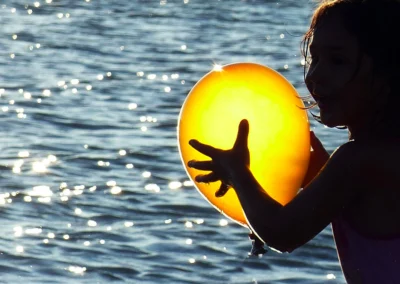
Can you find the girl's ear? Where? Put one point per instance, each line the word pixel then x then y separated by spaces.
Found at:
pixel 381 88
pixel 381 92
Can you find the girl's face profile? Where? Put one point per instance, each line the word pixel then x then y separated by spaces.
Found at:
pixel 339 74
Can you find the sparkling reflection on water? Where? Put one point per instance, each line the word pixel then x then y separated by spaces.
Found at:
pixel 92 186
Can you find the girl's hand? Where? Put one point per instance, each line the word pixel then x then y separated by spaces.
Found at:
pixel 318 158
pixel 224 164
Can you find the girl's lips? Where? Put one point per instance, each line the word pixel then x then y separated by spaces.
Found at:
pixel 321 99
pixel 322 103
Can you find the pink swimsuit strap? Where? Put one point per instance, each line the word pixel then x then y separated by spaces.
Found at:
pixel 366 260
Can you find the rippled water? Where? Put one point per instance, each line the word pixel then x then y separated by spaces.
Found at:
pixel 92 186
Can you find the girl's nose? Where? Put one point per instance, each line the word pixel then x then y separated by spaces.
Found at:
pixel 317 75
pixel 313 74
pixel 310 82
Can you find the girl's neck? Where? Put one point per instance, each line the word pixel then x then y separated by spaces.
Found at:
pixel 375 131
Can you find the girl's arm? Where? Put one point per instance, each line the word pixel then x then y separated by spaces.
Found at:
pixel 286 227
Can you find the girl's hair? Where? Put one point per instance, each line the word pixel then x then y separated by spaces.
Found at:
pixel 376 26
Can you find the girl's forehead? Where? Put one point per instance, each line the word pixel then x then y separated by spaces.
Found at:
pixel 331 32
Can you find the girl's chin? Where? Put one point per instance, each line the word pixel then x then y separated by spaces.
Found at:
pixel 330 120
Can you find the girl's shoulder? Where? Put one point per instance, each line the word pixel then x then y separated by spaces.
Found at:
pixel 372 161
pixel 370 150
pixel 377 213
pixel 381 158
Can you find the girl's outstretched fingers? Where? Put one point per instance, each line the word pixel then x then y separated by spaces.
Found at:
pixel 223 189
pixel 242 136
pixel 203 148
pixel 211 177
pixel 201 165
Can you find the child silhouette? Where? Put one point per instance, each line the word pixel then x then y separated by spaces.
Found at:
pixel 353 75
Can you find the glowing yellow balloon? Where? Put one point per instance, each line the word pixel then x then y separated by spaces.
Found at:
pixel 279 140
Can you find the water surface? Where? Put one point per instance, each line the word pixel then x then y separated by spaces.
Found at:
pixel 92 186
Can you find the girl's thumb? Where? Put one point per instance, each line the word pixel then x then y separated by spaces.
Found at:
pixel 315 142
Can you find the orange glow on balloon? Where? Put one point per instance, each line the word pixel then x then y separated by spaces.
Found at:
pixel 279 140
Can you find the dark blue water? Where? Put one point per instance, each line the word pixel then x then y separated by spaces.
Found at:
pixel 92 185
